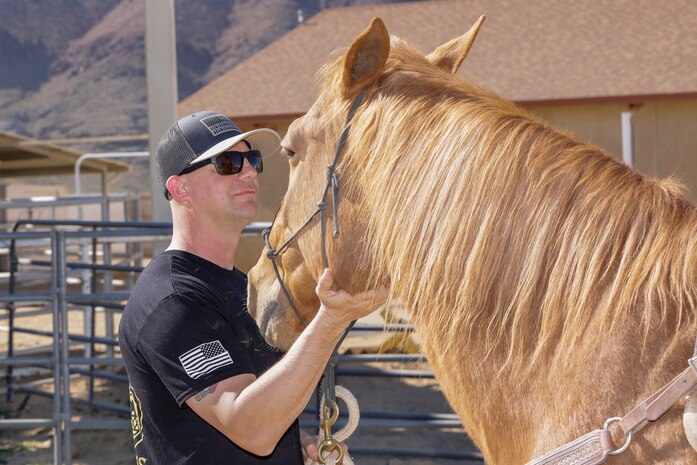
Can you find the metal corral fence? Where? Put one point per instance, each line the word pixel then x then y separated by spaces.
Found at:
pixel 91 267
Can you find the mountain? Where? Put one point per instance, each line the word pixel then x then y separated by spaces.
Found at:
pixel 76 68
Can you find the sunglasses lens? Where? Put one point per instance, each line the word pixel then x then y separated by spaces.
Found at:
pixel 254 158
pixel 231 162
pixel 228 163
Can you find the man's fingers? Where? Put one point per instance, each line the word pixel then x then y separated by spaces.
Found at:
pixel 311 451
pixel 309 444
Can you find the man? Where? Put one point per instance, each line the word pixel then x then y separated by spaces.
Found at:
pixel 205 388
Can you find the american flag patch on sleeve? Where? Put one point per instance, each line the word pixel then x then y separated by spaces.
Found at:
pixel 204 359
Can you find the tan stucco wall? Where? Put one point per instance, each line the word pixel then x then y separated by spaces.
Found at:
pixel 665 134
pixel 666 140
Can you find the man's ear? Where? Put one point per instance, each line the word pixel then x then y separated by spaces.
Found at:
pixel 176 186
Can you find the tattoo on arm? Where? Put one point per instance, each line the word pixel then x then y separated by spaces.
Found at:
pixel 209 390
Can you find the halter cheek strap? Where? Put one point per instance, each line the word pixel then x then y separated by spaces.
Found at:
pixel 333 183
pixel 327 384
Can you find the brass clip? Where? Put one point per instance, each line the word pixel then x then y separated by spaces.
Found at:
pixel 328 443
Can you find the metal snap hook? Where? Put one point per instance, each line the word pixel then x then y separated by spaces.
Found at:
pixel 329 443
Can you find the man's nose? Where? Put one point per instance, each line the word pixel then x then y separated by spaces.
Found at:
pixel 247 169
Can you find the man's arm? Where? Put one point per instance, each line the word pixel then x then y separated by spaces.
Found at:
pixel 255 412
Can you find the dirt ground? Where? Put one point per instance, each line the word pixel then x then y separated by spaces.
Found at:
pixel 114 446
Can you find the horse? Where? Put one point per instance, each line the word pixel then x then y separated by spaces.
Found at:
pixel 552 286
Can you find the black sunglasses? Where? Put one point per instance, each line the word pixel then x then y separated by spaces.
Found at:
pixel 230 162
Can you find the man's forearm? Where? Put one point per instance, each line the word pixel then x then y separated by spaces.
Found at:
pixel 271 403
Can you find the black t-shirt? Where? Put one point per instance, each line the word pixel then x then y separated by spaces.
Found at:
pixel 186 327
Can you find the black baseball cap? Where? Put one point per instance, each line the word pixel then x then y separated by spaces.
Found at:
pixel 203 135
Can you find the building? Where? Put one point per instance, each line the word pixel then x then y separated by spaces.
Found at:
pixel 24 160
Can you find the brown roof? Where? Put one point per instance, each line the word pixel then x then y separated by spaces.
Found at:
pixel 529 51
pixel 21 156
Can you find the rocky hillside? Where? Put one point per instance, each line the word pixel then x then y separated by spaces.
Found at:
pixel 76 68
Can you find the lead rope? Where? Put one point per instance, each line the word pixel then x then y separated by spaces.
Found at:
pixel 329 410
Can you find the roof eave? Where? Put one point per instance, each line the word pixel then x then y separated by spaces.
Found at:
pixel 610 99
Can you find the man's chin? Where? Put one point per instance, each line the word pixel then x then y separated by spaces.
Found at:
pixel 248 211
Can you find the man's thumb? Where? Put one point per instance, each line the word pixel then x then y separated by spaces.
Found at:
pixel 326 280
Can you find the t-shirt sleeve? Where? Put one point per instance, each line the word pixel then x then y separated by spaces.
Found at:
pixel 190 345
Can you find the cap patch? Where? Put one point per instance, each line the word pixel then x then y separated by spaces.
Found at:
pixel 217 125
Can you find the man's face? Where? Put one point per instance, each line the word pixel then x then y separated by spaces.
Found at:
pixel 231 196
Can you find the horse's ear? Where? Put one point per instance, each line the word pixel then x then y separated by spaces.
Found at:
pixel 449 56
pixel 366 58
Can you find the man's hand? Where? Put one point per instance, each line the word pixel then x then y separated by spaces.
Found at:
pixel 347 307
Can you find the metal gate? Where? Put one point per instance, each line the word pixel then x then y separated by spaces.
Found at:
pixel 60 289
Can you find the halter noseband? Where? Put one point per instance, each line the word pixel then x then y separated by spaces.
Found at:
pixel 332 182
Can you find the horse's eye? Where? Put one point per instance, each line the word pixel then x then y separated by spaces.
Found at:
pixel 287 153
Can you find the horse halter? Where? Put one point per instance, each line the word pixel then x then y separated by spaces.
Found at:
pixel 332 182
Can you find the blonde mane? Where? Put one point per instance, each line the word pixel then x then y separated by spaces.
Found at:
pixel 524 238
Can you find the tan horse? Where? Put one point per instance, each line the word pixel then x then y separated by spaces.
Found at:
pixel 553 287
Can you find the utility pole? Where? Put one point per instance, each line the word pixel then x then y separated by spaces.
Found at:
pixel 161 71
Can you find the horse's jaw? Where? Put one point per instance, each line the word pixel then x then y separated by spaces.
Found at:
pixel 272 316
